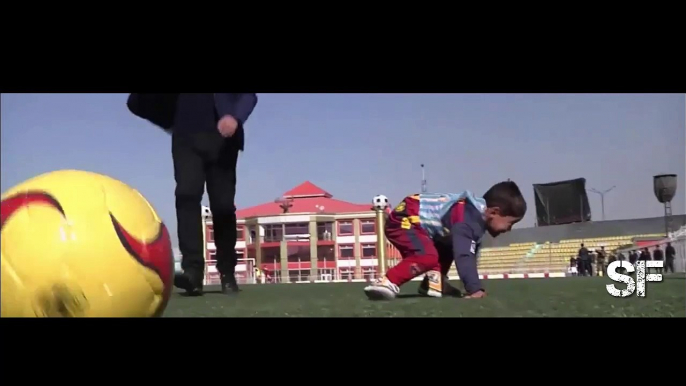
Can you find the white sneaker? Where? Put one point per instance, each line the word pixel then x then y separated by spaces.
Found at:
pixel 381 289
pixel 432 285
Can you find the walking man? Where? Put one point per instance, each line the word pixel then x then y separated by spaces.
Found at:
pixel 584 261
pixel 600 261
pixel 207 135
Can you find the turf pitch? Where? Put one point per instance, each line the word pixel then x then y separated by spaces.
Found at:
pixel 566 297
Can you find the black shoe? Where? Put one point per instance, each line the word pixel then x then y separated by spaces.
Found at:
pixel 190 282
pixel 229 285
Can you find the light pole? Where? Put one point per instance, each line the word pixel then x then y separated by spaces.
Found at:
pixel 602 197
pixel 423 180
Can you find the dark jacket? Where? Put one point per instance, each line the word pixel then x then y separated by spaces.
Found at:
pixel 160 109
pixel 670 252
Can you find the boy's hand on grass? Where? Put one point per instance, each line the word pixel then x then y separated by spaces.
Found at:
pixel 476 295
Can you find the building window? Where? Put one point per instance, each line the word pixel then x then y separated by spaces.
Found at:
pixel 210 234
pixel 325 252
pixel 324 231
pixel 240 236
pixel 346 252
pixel 368 251
pixel 298 275
pixel 345 228
pixel 298 253
pixel 299 228
pixel 273 233
pixel 271 255
pixel 368 227
pixel 212 256
pixel 327 274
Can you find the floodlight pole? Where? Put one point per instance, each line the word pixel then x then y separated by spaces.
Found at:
pixel 423 180
pixel 602 194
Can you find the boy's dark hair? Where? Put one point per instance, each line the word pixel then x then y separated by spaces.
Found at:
pixel 506 196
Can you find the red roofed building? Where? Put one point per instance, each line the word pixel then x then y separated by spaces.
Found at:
pixel 304 235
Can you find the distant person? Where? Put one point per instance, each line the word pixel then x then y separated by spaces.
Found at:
pixel 633 257
pixel 579 267
pixel 572 266
pixel 600 261
pixel 669 258
pixel 621 258
pixel 584 257
pixel 658 256
pixel 645 255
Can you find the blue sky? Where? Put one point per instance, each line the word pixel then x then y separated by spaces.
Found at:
pixel 359 145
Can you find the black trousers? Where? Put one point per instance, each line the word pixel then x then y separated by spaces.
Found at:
pixel 205 158
pixel 659 270
pixel 669 265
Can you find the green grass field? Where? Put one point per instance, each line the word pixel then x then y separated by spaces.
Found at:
pixel 568 297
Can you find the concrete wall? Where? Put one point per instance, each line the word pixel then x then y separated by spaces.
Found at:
pixel 555 233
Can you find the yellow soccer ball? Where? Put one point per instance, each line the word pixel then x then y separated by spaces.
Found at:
pixel 81 244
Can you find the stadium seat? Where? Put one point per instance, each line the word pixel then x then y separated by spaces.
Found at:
pixel 544 257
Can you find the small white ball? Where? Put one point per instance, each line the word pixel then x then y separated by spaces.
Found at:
pixel 206 213
pixel 380 202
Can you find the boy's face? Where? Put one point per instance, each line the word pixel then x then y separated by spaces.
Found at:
pixel 496 223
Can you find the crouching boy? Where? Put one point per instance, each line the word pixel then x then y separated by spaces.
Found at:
pixel 434 229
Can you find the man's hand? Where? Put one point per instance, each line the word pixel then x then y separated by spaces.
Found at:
pixel 227 126
pixel 476 295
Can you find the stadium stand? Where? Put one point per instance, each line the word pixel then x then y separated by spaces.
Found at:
pixel 503 259
pixel 548 256
pixel 549 248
